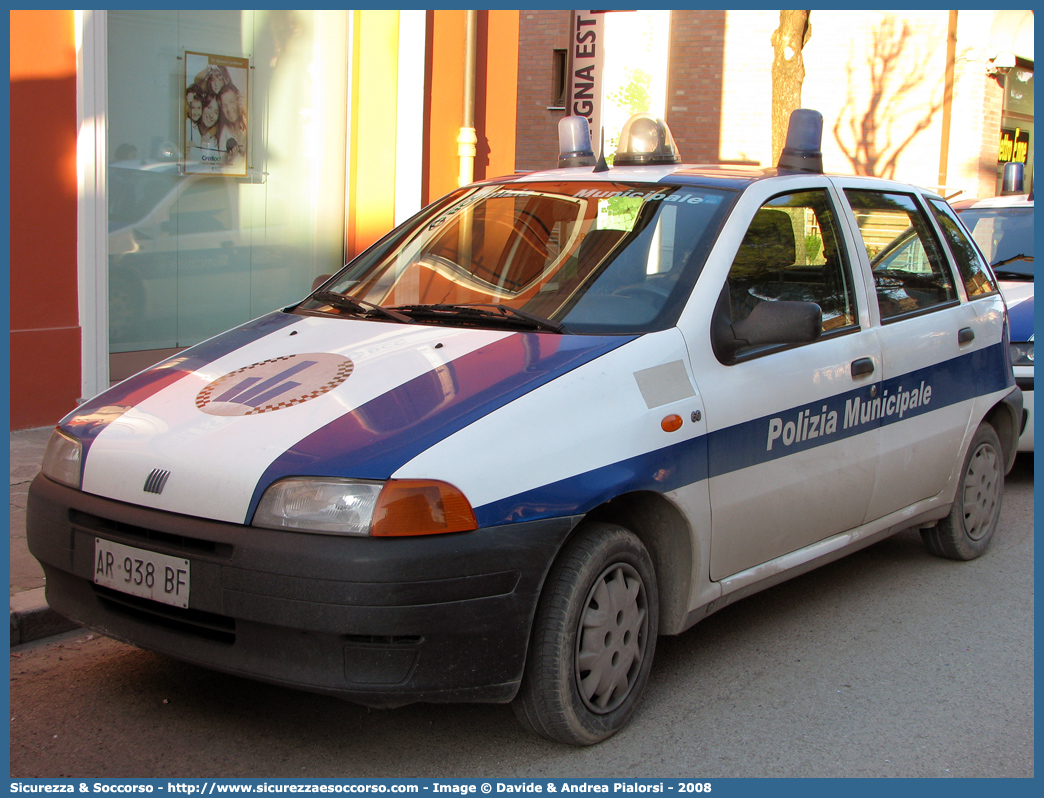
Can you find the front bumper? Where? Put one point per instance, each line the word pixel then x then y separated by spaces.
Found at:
pixel 383 622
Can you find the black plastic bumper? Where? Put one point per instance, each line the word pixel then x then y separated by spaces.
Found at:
pixel 383 622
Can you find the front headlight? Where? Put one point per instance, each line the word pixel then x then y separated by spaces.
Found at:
pixel 330 506
pixel 61 461
pixel 398 507
pixel 1022 353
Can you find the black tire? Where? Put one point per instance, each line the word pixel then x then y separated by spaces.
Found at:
pixel 966 532
pixel 586 668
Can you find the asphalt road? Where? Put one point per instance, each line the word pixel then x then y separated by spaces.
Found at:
pixel 889 662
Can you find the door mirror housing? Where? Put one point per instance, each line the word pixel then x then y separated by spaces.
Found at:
pixel 770 323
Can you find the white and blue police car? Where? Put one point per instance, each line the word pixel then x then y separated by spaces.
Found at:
pixel 546 420
pixel 1002 226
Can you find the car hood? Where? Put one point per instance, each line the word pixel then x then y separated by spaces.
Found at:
pixel 303 395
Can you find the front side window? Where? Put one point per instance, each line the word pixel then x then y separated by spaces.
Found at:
pixel 792 251
pixel 910 273
pixel 600 257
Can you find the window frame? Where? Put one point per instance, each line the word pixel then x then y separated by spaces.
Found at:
pixel 940 207
pixel 928 222
pixel 847 271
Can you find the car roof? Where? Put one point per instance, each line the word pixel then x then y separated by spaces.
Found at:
pixel 1005 201
pixel 724 176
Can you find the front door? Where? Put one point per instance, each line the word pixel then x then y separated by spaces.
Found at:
pixel 785 471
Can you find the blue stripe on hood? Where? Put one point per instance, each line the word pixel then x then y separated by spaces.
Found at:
pixel 88 420
pixel 376 439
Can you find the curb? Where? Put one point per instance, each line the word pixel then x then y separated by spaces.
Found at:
pixel 32 619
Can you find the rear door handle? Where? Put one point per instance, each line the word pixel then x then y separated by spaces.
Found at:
pixel 966 335
pixel 864 365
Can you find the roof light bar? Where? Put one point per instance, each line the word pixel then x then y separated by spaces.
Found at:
pixel 803 151
pixel 646 140
pixel 574 142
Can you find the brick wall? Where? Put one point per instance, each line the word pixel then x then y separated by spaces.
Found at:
pixel 694 83
pixel 540 34
pixel 877 77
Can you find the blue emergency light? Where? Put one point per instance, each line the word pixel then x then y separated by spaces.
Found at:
pixel 574 142
pixel 803 151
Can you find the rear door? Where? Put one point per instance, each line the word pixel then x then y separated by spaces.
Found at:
pixel 932 342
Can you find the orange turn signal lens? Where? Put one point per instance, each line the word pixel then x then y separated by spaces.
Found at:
pixel 421 507
pixel 671 423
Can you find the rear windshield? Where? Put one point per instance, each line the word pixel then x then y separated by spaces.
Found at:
pixel 1005 236
pixel 594 257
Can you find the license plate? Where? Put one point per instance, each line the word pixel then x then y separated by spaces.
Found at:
pixel 141 573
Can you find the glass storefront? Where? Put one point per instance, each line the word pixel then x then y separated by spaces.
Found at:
pixel 226 173
pixel 1016 143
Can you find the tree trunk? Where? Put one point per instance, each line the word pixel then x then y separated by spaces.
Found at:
pixel 788 72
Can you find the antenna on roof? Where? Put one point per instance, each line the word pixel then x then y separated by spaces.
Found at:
pixel 602 165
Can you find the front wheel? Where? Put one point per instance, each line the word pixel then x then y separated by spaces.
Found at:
pixel 966 532
pixel 593 638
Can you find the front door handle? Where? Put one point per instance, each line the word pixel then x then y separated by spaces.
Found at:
pixel 966 335
pixel 864 365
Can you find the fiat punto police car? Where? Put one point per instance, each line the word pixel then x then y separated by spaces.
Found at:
pixel 548 419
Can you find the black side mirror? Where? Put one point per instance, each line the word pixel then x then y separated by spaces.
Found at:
pixel 780 322
pixel 770 323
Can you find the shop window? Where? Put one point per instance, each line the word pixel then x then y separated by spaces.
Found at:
pixel 194 251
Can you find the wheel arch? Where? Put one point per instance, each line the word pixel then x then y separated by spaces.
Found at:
pixel 1006 417
pixel 665 534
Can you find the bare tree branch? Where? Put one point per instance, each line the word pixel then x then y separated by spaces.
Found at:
pixel 866 138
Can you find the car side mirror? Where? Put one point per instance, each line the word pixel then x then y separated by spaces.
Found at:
pixel 318 281
pixel 780 322
pixel 770 323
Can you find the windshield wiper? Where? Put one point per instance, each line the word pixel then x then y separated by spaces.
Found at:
pixel 1020 256
pixel 480 314
pixel 360 307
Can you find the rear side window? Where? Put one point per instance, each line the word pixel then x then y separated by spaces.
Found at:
pixel 910 273
pixel 977 281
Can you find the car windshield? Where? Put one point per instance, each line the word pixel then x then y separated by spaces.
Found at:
pixel 588 257
pixel 1005 236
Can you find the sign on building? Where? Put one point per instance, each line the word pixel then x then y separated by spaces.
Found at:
pixel 1014 145
pixel 586 57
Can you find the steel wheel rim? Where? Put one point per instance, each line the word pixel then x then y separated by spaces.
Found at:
pixel 982 484
pixel 611 638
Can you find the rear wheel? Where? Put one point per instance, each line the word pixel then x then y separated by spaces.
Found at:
pixel 593 638
pixel 966 532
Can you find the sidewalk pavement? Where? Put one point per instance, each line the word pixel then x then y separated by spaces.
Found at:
pixel 31 618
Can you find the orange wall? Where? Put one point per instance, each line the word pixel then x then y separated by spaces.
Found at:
pixel 496 88
pixel 45 330
pixel 371 190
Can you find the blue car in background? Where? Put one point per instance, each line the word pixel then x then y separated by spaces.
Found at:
pixel 1003 228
